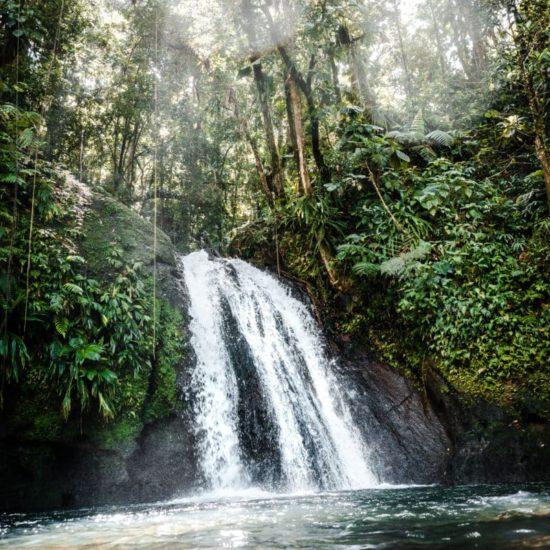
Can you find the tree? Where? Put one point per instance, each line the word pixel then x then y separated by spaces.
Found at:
pixel 533 56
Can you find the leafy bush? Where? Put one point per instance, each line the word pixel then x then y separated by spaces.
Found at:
pixel 58 322
pixel 465 266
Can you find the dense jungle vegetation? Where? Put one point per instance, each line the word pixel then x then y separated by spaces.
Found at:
pixel 392 155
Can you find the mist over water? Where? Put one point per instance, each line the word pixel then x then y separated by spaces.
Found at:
pixel 269 410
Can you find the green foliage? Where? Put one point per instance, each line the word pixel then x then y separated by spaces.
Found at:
pixel 17 137
pixel 479 296
pixel 163 389
pixel 101 329
pixel 314 216
pixel 75 332
pixel 448 266
pixel 465 273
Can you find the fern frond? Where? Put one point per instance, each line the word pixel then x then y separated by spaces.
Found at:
pixel 61 325
pixel 366 268
pixel 418 125
pixel 440 138
pixel 75 289
pixel 426 152
pixel 399 265
pixel 406 137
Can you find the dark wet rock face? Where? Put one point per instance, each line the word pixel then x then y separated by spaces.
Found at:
pixel 408 441
pixel 491 446
pixel 433 436
pixel 257 431
pixel 81 473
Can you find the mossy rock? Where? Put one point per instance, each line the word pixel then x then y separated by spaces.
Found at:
pixel 153 393
pixel 110 223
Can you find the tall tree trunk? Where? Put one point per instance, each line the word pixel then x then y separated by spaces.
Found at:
pixel 306 88
pixel 437 34
pixel 334 75
pixel 295 81
pixel 276 167
pixel 476 29
pixel 544 158
pixel 359 82
pixel 361 77
pixel 530 41
pixel 294 111
pixel 11 43
pixel 327 258
pixel 232 103
pixel 324 171
pixel 403 55
pixel 249 25
pixel 461 37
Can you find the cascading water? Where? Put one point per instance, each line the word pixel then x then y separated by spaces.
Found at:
pixel 269 409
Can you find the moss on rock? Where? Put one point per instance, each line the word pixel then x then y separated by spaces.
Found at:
pixel 163 390
pixel 151 393
pixel 110 223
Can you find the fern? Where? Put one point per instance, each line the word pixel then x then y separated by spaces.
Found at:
pixel 61 325
pixel 426 152
pixel 418 126
pixel 75 289
pixel 400 265
pixel 26 138
pixel 441 138
pixel 367 269
pixel 11 178
pixel 408 137
pixel 416 136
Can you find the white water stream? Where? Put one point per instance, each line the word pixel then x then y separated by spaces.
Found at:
pixel 269 409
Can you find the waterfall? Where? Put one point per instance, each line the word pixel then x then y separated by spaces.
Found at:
pixel 269 408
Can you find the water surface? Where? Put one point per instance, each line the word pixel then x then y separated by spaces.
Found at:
pixel 497 516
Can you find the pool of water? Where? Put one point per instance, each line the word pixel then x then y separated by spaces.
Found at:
pixel 495 516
